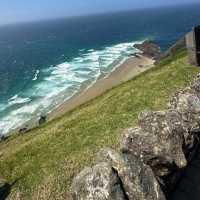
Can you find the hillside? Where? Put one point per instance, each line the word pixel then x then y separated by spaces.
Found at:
pixel 44 161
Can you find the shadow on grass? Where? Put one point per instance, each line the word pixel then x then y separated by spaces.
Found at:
pixel 6 189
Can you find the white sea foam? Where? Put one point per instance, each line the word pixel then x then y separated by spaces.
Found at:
pixel 18 100
pixel 36 75
pixel 61 82
pixel 90 50
pixel 13 98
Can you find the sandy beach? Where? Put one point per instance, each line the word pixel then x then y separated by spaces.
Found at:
pixel 130 68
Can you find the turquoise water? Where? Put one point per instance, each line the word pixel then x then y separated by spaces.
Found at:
pixel 45 63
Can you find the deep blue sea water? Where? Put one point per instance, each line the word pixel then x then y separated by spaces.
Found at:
pixel 45 63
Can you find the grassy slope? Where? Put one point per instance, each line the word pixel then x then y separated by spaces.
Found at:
pixel 48 157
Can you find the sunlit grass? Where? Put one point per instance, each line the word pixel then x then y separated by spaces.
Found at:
pixel 47 158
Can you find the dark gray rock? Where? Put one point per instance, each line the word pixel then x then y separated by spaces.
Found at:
pixel 159 140
pixel 100 182
pixel 187 103
pixel 168 129
pixel 3 137
pixel 149 49
pixel 138 179
pixel 42 120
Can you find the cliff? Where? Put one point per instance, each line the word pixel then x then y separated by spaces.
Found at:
pixel 180 45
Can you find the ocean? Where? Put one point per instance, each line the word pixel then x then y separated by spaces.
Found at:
pixel 43 64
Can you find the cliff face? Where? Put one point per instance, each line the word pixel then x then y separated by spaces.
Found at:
pixel 150 49
pixel 180 45
pixel 151 156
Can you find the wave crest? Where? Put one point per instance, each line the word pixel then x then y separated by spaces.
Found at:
pixel 61 82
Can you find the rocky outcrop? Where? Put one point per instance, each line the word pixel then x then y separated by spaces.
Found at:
pixel 158 137
pixel 98 182
pixel 116 176
pixel 152 155
pixel 149 49
pixel 135 176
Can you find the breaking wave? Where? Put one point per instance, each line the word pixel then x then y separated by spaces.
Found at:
pixel 59 83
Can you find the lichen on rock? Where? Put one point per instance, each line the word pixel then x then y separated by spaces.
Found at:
pixel 97 183
pixel 159 137
pixel 139 182
pixel 187 103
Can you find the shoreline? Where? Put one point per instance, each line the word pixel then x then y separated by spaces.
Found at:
pixel 125 71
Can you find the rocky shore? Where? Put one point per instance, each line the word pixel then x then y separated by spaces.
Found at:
pixel 151 157
pixel 150 49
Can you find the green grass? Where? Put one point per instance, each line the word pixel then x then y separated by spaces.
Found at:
pixel 46 159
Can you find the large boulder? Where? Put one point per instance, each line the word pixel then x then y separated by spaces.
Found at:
pixel 158 140
pixel 100 182
pixel 187 103
pixel 137 179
